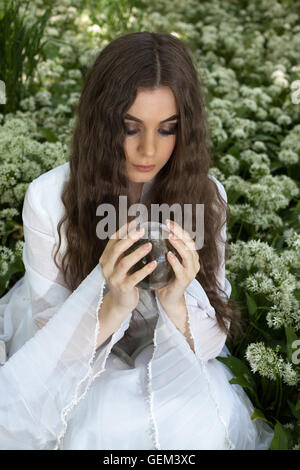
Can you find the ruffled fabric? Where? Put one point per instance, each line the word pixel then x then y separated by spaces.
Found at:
pixel 51 359
pixel 172 399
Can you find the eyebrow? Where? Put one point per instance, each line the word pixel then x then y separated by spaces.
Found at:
pixel 132 118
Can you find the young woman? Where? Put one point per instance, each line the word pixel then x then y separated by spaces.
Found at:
pixel 93 361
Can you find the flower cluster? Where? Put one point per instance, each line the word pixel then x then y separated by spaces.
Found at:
pixel 260 270
pixel 269 364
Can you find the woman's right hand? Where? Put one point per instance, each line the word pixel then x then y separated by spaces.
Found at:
pixel 124 294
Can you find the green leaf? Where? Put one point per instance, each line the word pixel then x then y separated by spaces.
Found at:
pixel 295 409
pixel 251 304
pixel 238 369
pixel 258 414
pixel 48 134
pixel 245 384
pixel 281 438
pixel 16 267
pixel 272 146
pixel 264 138
pixel 276 165
pixel 290 338
pixel 298 403
pixel 297 294
pixel 235 290
pixel 242 382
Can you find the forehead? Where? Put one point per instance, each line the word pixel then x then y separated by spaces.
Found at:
pixel 154 105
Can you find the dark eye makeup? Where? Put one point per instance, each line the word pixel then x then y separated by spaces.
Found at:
pixel 170 131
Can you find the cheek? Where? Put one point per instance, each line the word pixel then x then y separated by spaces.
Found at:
pixel 126 147
pixel 167 148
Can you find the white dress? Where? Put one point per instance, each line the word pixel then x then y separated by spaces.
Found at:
pixel 59 392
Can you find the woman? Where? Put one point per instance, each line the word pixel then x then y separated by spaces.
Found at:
pixel 82 370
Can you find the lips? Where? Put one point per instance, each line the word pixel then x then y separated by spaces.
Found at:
pixel 144 166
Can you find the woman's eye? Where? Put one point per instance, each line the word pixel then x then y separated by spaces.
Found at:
pixel 130 132
pixel 170 131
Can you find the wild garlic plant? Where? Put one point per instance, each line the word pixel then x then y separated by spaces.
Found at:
pixel 247 56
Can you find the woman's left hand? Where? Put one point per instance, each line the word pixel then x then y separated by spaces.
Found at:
pixel 172 295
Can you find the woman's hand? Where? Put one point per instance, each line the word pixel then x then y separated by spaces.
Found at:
pixel 124 296
pixel 172 295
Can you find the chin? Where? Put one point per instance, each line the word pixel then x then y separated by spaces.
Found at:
pixel 142 178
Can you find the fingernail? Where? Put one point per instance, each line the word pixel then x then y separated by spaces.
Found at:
pixel 138 233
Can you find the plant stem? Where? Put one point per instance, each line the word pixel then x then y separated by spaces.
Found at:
pixel 238 235
pixel 280 397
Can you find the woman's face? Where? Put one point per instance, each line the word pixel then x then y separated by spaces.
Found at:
pixel 149 140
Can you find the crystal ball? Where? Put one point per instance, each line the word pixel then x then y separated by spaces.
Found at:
pixel 163 274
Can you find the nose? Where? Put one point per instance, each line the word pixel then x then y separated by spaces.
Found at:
pixel 147 145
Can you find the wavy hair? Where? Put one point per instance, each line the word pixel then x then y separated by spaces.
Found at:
pixel 141 60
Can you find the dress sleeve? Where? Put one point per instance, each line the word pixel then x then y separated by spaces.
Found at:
pixel 46 286
pixel 209 339
pixel 45 378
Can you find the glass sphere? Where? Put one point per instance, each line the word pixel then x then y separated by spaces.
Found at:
pixel 163 274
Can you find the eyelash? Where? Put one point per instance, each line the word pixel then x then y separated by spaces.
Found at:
pixel 163 132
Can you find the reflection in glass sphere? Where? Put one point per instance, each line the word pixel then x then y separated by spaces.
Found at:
pixel 157 234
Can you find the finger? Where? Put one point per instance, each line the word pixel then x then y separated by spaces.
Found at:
pixel 130 260
pixel 178 231
pixel 189 254
pixel 121 233
pixel 124 230
pixel 117 250
pixel 186 255
pixel 176 266
pixel 136 277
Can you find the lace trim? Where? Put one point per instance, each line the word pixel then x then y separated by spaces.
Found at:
pixel 154 432
pixel 88 377
pixel 230 443
pixel 149 397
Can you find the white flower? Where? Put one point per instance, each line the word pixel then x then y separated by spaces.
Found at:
pixel 292 239
pixel 259 146
pixel 230 163
pixel 269 127
pixel 283 120
pixel 7 257
pixel 52 31
pixel 94 29
pixel 268 363
pixel 288 157
pixel 261 113
pixel 249 104
pixel 83 19
pixel 239 133
pixel 43 97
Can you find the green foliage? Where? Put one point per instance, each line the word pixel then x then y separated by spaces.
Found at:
pixel 20 49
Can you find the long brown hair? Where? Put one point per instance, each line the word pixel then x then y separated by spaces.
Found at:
pixel 142 60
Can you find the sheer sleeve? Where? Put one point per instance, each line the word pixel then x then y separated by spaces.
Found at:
pixel 45 377
pixel 47 289
pixel 209 339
